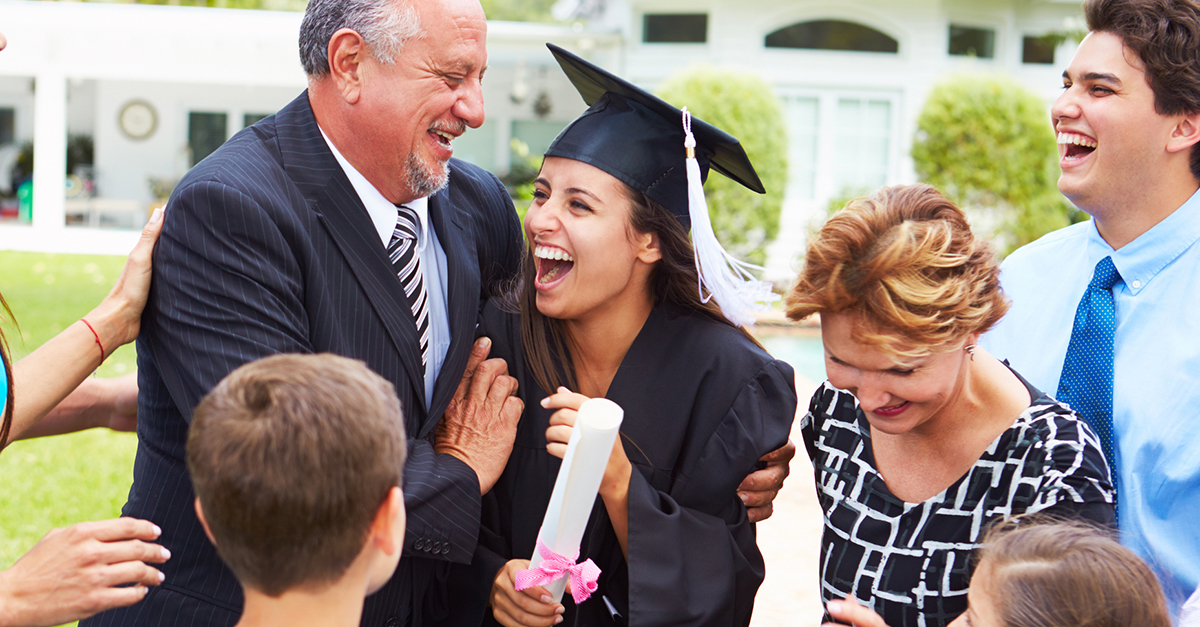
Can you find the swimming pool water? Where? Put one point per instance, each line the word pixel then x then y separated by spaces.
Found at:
pixel 802 352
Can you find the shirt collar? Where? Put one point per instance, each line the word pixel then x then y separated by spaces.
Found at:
pixel 1142 259
pixel 381 211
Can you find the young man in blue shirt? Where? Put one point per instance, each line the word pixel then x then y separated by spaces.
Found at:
pixel 1124 351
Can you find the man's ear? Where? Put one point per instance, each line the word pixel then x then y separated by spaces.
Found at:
pixel 203 522
pixel 346 52
pixel 648 249
pixel 1186 133
pixel 388 527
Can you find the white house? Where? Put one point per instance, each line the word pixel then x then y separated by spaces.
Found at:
pixel 156 87
pixel 159 87
pixel 853 75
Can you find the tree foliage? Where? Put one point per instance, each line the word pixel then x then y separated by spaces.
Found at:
pixel 272 5
pixel 747 108
pixel 986 142
pixel 518 10
pixel 510 10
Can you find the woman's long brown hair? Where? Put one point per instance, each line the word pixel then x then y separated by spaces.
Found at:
pixel 672 280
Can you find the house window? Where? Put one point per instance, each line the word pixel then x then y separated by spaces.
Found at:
pixel 863 144
pixel 206 133
pixel 675 28
pixel 7 125
pixel 1038 50
pixel 803 126
pixel 968 41
pixel 832 35
pixel 250 119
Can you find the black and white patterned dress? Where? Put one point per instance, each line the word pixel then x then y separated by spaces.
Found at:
pixel 912 562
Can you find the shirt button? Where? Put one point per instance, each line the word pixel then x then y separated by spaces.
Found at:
pixel 1136 284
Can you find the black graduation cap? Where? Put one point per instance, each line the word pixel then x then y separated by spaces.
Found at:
pixel 638 137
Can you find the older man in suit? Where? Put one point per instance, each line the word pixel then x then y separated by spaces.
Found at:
pixel 341 224
pixel 279 242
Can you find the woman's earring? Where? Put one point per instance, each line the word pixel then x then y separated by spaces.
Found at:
pixel 970 348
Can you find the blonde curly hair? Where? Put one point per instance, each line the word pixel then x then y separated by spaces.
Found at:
pixel 906 263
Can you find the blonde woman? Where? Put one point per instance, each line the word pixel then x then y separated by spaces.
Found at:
pixel 919 439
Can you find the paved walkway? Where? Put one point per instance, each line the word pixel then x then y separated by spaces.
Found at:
pixel 790 541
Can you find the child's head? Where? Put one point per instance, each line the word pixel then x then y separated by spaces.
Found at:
pixel 1062 575
pixel 296 462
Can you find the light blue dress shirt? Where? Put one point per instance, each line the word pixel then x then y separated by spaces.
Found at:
pixel 433 261
pixel 1156 371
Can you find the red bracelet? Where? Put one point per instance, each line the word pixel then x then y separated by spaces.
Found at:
pixel 97 335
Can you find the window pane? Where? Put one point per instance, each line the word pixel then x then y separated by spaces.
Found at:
pixel 832 35
pixel 863 145
pixel 675 28
pixel 7 125
pixel 1038 50
pixel 250 119
pixel 966 41
pixel 206 133
pixel 802 115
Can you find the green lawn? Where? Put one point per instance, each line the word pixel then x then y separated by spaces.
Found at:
pixel 59 481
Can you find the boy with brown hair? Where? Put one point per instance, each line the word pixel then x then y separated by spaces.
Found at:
pixel 296 462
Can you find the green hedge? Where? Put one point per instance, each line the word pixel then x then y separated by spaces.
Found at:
pixel 745 107
pixel 987 143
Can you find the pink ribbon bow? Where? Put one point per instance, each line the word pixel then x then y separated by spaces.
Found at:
pixel 583 577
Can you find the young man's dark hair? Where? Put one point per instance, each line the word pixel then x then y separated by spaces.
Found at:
pixel 291 457
pixel 1165 35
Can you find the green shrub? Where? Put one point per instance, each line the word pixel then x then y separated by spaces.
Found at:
pixel 986 142
pixel 745 107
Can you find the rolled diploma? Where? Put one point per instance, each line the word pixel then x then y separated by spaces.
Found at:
pixel 578 482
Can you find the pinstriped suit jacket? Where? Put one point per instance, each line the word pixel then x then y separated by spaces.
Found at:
pixel 267 249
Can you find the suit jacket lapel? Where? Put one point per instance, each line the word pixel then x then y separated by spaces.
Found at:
pixel 446 212
pixel 330 195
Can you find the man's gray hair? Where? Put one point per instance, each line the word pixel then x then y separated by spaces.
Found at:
pixel 385 25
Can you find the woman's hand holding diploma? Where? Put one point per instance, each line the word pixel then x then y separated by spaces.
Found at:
pixel 614 488
pixel 533 607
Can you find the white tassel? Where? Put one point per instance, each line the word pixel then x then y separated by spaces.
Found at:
pixel 722 277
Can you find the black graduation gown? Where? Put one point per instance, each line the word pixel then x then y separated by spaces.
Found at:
pixel 702 403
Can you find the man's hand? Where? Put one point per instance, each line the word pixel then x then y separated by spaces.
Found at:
pixel 759 488
pixel 75 572
pixel 480 423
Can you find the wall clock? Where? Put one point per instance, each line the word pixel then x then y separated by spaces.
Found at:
pixel 137 119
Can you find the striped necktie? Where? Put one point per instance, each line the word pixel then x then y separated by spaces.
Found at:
pixel 406 261
pixel 1086 383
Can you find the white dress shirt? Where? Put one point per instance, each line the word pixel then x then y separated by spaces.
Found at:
pixel 433 261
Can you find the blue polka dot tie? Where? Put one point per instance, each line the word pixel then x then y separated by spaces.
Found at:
pixel 1087 376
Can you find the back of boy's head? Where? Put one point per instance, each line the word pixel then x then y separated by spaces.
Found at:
pixel 291 457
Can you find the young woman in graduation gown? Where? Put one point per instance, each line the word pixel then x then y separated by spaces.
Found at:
pixel 608 305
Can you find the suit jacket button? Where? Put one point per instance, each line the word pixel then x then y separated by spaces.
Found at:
pixel 420 546
pixel 437 548
pixel 392 621
pixel 446 549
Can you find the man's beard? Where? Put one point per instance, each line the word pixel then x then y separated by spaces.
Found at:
pixel 426 179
